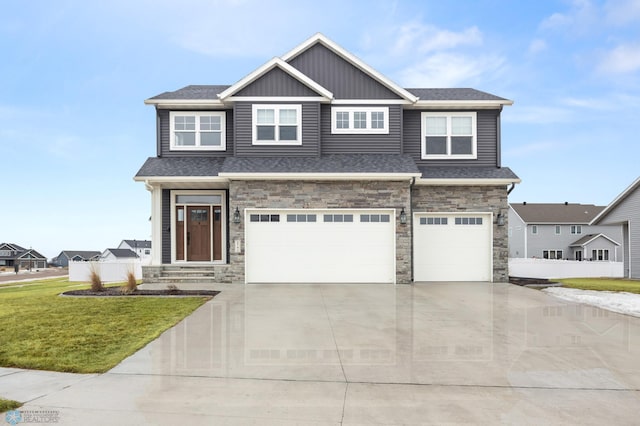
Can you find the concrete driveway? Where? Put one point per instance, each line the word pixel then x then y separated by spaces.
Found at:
pixel 473 353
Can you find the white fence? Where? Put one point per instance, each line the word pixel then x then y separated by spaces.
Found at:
pixel 109 271
pixel 547 268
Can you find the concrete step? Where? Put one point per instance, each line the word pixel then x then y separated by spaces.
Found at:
pixel 182 280
pixel 189 272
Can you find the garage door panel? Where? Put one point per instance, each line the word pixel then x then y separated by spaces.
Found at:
pixel 320 251
pixel 445 249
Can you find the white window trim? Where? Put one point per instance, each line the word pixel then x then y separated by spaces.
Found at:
pixel 534 229
pixel 368 130
pixel 557 230
pixel 276 108
pixel 576 229
pixel 197 147
pixel 449 115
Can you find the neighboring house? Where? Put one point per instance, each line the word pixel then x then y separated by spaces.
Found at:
pixel 317 168
pixel 561 231
pixel 118 254
pixel 140 247
pixel 12 254
pixel 624 211
pixel 66 256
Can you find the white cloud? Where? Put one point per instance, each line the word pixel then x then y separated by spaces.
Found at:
pixel 451 70
pixel 416 37
pixel 625 58
pixel 537 45
pixel 622 12
pixel 582 18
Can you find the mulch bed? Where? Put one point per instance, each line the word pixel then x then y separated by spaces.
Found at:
pixel 117 291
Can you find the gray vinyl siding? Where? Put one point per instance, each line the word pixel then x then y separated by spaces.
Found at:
pixel 627 212
pixel 517 230
pixel 164 139
pixel 487 138
pixel 276 83
pixel 310 133
pixel 166 226
pixel 546 239
pixel 365 143
pixel 339 76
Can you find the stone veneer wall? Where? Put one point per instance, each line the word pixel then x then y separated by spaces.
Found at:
pixel 320 195
pixel 471 199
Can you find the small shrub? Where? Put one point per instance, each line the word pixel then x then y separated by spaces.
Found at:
pixel 172 288
pixel 131 283
pixel 96 280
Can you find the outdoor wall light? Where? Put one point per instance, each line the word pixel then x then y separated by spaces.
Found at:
pixel 500 219
pixel 403 217
pixel 236 216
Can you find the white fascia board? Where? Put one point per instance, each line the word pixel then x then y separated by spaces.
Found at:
pixel 151 180
pixel 277 99
pixel 171 103
pixel 275 62
pixel 371 102
pixel 319 176
pixel 319 37
pixel 615 202
pixel 596 237
pixel 466 182
pixel 461 104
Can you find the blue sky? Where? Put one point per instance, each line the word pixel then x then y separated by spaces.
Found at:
pixel 74 75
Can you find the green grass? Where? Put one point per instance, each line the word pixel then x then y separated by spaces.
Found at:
pixel 602 284
pixel 40 330
pixel 8 405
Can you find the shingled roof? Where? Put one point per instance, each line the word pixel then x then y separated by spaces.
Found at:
pixel 557 213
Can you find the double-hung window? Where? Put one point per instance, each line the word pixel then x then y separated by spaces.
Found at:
pixel 449 135
pixel 365 120
pixel 277 124
pixel 201 130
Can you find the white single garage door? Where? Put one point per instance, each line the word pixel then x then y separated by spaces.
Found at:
pixel 452 247
pixel 320 246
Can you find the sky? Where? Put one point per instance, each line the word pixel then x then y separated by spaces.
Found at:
pixel 74 74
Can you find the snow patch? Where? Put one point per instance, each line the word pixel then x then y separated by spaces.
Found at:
pixel 621 302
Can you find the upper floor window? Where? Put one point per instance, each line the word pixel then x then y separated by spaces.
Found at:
pixel 449 135
pixel 367 120
pixel 558 229
pixel 277 124
pixel 534 229
pixel 197 130
pixel 576 229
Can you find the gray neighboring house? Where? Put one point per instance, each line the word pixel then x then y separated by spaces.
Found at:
pixel 118 254
pixel 66 256
pixel 26 258
pixel 624 211
pixel 317 168
pixel 140 247
pixel 561 231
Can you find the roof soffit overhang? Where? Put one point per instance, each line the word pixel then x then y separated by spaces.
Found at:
pixel 465 182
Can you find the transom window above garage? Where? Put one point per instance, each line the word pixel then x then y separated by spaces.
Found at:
pixel 197 130
pixel 277 124
pixel 264 218
pixel 434 221
pixel 375 218
pixel 338 218
pixel 468 221
pixel 365 120
pixel 449 135
pixel 301 218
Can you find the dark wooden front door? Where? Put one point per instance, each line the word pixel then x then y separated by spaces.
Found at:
pixel 198 233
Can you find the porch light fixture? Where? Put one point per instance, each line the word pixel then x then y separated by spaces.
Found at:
pixel 500 219
pixel 236 216
pixel 403 217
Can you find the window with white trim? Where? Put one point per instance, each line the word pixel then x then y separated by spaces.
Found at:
pixel 576 229
pixel 449 135
pixel 534 229
pixel 277 124
pixel 558 229
pixel 552 254
pixel 365 120
pixel 197 130
pixel 600 254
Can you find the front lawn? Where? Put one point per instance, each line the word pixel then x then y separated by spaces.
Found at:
pixel 603 284
pixel 8 405
pixel 41 330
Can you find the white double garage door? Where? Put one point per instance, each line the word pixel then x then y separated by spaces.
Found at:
pixel 359 246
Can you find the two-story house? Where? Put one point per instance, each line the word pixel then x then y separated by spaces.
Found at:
pixel 562 231
pixel 316 168
pixel 140 247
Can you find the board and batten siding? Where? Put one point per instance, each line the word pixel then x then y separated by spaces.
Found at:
pixel 487 138
pixel 276 83
pixel 310 133
pixel 362 143
pixel 165 138
pixel 338 76
pixel 627 212
pixel 166 226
